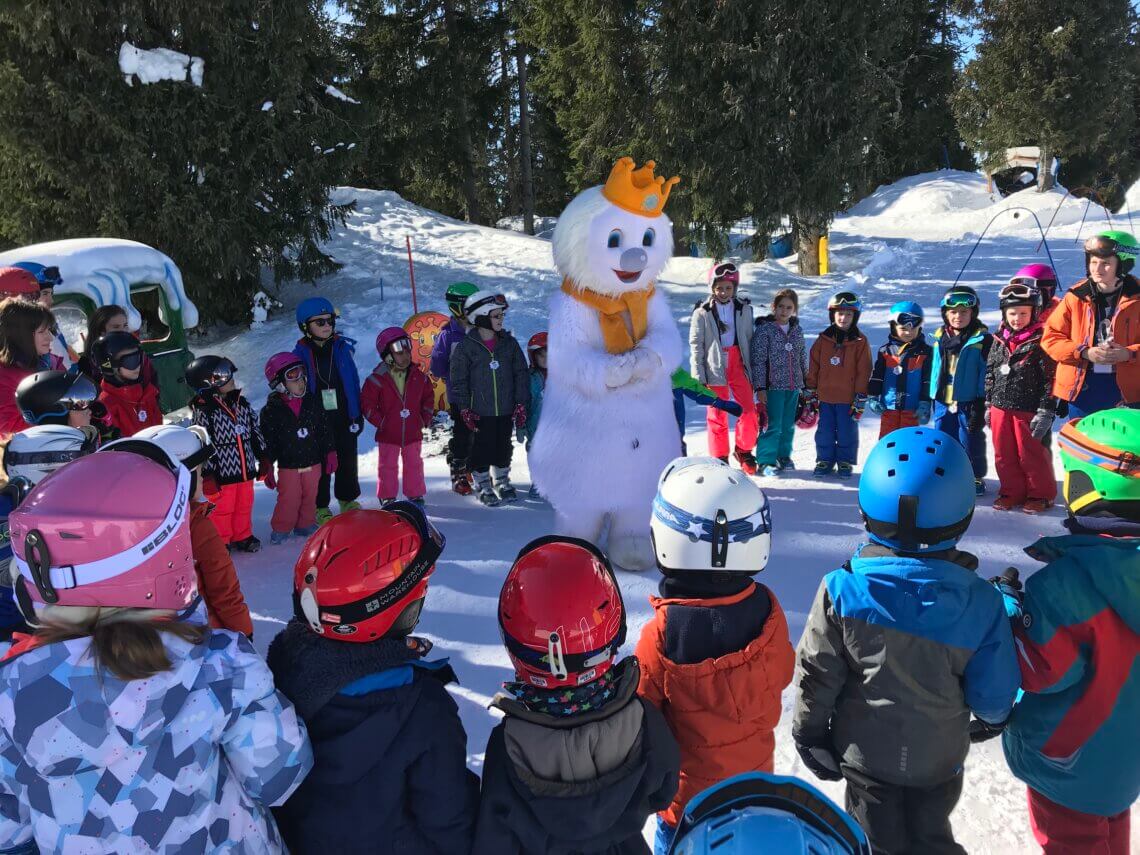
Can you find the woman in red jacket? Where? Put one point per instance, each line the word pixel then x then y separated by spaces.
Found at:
pixel 25 337
pixel 398 399
pixel 131 401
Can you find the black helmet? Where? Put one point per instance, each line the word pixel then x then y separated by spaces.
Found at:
pixel 115 350
pixel 46 397
pixel 209 372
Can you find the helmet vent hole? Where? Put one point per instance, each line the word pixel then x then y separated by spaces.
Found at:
pixel 700 479
pixel 938 442
pixel 733 481
pixel 929 449
pixel 890 473
pixel 939 471
pixel 903 458
pixel 890 445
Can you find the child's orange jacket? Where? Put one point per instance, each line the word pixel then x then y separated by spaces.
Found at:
pixel 722 711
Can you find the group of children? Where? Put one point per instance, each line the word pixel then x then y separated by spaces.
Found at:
pixel 186 739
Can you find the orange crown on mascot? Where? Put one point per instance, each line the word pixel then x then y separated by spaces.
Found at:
pixel 638 191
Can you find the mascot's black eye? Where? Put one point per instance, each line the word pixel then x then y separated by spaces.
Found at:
pixel 615 239
pixel 647 238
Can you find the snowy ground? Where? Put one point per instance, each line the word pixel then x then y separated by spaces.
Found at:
pixel 906 241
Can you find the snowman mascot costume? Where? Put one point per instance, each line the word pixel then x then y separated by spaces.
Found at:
pixel 607 427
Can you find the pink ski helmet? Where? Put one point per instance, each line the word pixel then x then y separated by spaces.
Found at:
pixel 107 530
pixel 278 364
pixel 1039 276
pixel 387 337
pixel 727 271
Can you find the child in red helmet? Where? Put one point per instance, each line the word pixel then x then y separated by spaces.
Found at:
pixel 399 401
pixel 580 761
pixel 299 440
pixel 390 753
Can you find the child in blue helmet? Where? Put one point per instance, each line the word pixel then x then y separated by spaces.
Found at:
pixel 958 376
pixel 903 642
pixel 333 378
pixel 899 391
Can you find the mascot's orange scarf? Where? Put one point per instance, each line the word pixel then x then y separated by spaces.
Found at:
pixel 614 330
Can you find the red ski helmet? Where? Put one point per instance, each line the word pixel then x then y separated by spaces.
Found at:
pixel 535 343
pixel 364 574
pixel 17 282
pixel 561 614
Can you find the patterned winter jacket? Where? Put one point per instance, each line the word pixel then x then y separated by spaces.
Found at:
pixel 897 652
pixel 189 760
pixel 1072 736
pixel 779 359
pixel 489 382
pixel 1021 379
pixel 235 434
pixel 901 376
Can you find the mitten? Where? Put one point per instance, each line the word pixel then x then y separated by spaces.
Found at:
pixel 857 407
pixel 821 760
pixel 762 417
pixel 330 463
pixel 619 371
pixel 1009 585
pixel 264 468
pixel 470 419
pixel 989 418
pixel 922 412
pixel 356 426
pixel 730 407
pixel 271 479
pixel 975 416
pixel 875 405
pixel 1041 424
pixel 981 731
pixel 520 416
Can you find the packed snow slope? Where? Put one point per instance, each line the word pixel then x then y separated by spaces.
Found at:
pixel 908 240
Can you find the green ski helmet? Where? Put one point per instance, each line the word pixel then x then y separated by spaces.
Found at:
pixel 1107 244
pixel 1101 456
pixel 457 294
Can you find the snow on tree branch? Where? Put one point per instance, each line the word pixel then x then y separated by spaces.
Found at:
pixel 336 93
pixel 157 64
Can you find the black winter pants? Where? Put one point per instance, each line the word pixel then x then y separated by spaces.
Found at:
pixel 459 448
pixel 904 820
pixel 491 444
pixel 347 482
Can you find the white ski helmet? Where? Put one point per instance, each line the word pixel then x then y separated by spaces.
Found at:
pixel 190 446
pixel 36 452
pixel 708 517
pixel 480 304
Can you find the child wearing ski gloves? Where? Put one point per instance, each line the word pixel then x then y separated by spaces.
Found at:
pixel 684 386
pixel 899 391
pixel 299 441
pixel 126 723
pixel 716 654
pixel 1072 736
pixel 579 761
pixel 217 578
pixel 720 335
pixel 492 389
pixel 779 363
pixel 839 371
pixel 459 448
pixel 902 643
pixel 398 400
pixel 958 376
pixel 334 381
pixel 239 456
pixel 130 400
pixel 1020 404
pixel 390 753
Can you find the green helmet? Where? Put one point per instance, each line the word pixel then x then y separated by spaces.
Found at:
pixel 457 293
pixel 1101 456
pixel 1109 243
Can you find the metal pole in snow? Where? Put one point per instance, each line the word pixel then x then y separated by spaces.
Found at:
pixel 412 275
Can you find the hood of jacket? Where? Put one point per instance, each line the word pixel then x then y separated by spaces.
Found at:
pixel 1110 566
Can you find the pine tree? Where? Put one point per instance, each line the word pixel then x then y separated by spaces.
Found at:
pixel 1051 73
pixel 223 186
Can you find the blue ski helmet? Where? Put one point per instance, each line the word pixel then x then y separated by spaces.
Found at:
pixel 758 812
pixel 47 277
pixel 916 492
pixel 907 313
pixel 310 308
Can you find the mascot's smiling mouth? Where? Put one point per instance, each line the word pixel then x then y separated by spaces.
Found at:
pixel 627 276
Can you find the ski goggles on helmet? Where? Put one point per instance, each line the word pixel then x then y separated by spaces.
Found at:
pixel 1033 282
pixel 50 458
pixel 845 300
pixel 294 372
pixel 49 277
pixel 129 359
pixel 79 396
pixel 959 300
pixel 1017 291
pixel 497 301
pixel 727 271
pixel 906 319
pixel 1073 442
pixel 400 345
pixel 1101 246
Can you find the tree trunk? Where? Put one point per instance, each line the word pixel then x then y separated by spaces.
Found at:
pixel 510 169
pixel 807 235
pixel 467 153
pixel 1045 170
pixel 526 178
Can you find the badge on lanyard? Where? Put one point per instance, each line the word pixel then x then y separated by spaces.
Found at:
pixel 494 365
pixel 788 347
pixel 302 433
pixel 1005 369
pixel 328 399
pixel 835 360
pixel 142 415
pixel 239 430
pixel 404 413
pixel 953 407
pixel 898 369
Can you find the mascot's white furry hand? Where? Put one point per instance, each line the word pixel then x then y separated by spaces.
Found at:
pixel 619 371
pixel 646 363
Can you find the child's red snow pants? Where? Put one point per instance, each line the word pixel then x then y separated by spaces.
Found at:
pixel 892 420
pixel 233 511
pixel 1062 831
pixel 1024 465
pixel 747 425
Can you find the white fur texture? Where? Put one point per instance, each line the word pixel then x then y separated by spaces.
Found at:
pixel 607 426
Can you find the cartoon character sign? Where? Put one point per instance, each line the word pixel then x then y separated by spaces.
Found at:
pixel 422 330
pixel 607 414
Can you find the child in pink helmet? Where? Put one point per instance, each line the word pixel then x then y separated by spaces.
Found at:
pixel 1043 279
pixel 299 440
pixel 126 723
pixel 398 400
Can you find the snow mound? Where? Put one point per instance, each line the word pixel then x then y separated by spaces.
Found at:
pixel 927 195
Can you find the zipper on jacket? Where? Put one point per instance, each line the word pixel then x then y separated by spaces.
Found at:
pixel 495 379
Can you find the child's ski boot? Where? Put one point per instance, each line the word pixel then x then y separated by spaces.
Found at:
pixel 503 486
pixel 484 491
